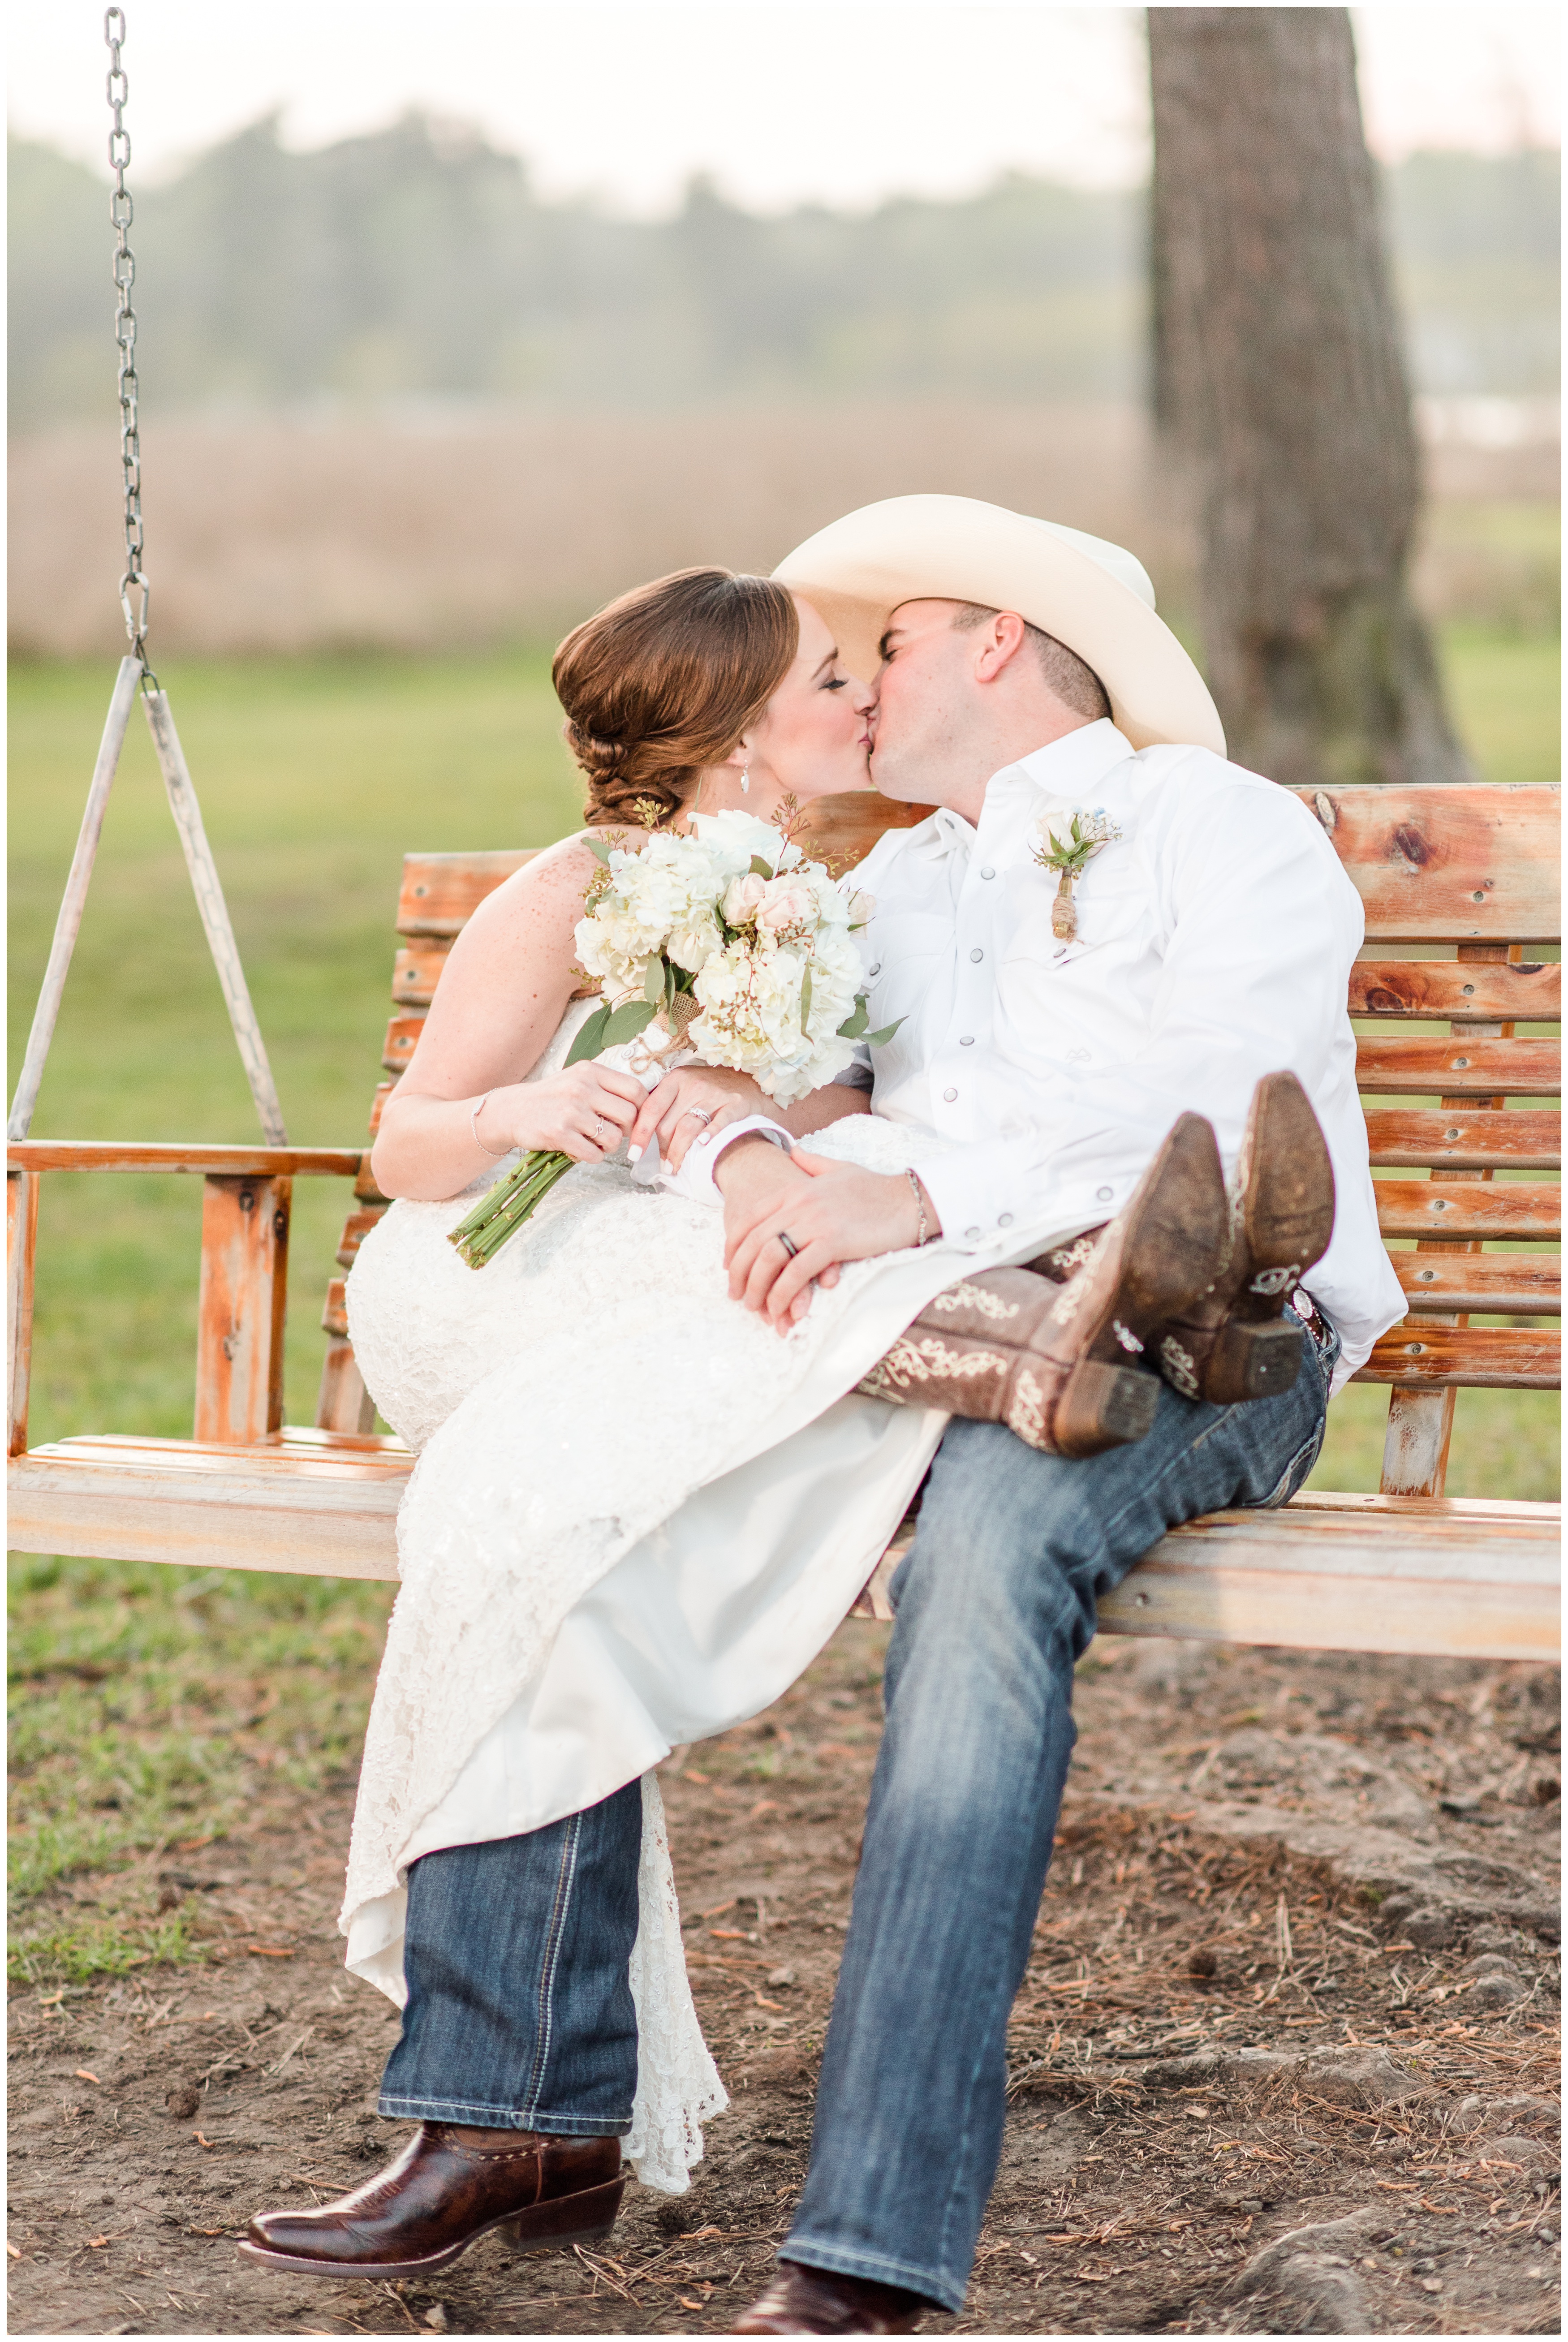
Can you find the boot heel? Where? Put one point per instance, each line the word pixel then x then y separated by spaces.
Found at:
pixel 1252 1362
pixel 1102 1406
pixel 563 2221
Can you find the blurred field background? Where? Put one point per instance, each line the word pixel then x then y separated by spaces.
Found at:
pixel 390 451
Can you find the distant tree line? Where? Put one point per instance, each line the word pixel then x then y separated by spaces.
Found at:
pixel 418 261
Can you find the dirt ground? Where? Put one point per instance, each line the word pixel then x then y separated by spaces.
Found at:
pixel 1284 2062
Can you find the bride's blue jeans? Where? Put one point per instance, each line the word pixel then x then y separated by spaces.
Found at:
pixel 519 2013
pixel 995 1603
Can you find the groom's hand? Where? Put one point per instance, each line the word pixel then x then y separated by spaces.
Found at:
pixel 831 1212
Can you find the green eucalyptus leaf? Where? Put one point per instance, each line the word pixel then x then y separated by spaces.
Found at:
pixel 598 849
pixel 855 1023
pixel 759 868
pixel 806 998
pixel 654 981
pixel 875 1040
pixel 590 1039
pixel 627 1021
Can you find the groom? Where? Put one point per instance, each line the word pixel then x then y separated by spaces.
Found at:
pixel 1023 673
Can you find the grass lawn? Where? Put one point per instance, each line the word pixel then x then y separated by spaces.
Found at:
pixel 144 1698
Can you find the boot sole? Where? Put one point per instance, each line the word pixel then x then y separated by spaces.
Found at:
pixel 563 2221
pixel 1288 1207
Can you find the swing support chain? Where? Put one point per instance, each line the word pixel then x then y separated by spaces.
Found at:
pixel 122 212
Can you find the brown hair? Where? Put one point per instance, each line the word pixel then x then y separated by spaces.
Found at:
pixel 662 682
pixel 1072 679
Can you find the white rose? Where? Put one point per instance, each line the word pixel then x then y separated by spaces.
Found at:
pixel 786 904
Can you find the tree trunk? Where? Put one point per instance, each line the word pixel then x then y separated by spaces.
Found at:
pixel 1280 390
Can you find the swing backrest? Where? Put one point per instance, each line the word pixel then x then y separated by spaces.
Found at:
pixel 1461 889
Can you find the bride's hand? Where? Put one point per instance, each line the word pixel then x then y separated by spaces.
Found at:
pixel 583 1112
pixel 694 1100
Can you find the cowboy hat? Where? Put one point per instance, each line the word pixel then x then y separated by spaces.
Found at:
pixel 1092 595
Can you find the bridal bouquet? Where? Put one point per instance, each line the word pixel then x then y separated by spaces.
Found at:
pixel 728 944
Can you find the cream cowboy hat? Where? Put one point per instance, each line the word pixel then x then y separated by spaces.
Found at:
pixel 1092 597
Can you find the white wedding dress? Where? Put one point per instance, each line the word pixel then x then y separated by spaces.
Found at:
pixel 637 1515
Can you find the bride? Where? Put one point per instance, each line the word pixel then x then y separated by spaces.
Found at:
pixel 637 1512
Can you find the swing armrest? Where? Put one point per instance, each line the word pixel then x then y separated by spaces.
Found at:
pixel 211 1162
pixel 246 1213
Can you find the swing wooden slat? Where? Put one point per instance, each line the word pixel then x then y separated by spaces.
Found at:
pixel 1464 871
pixel 1499 1283
pixel 1440 1208
pixel 1445 987
pixel 1406 1068
pixel 1422 1138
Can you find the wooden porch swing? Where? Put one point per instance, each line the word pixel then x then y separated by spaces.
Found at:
pixel 1466 871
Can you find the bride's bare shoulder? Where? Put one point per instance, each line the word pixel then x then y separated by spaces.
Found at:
pixel 555 872
pixel 539 904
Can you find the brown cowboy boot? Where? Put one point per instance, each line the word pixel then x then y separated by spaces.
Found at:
pixel 800 2300
pixel 450 2186
pixel 1232 1343
pixel 1055 1366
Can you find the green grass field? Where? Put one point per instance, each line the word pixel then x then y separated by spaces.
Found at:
pixel 145 1699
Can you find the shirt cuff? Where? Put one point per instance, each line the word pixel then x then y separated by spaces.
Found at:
pixel 695 1179
pixel 977 1190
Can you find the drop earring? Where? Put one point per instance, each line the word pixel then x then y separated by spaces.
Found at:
pixel 746 779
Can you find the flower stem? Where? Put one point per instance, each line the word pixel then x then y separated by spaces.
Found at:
pixel 512 1200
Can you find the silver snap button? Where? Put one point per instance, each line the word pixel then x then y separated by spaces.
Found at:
pixel 1005 1221
pixel 877 969
pixel 950 1096
pixel 988 874
pixel 972 1236
pixel 1102 1194
pixel 977 955
pixel 966 1040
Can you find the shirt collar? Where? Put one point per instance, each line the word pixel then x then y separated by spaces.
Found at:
pixel 1075 764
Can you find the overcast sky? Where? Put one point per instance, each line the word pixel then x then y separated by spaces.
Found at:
pixel 781 103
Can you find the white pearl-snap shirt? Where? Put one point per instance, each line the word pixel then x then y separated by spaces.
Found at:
pixel 1215 937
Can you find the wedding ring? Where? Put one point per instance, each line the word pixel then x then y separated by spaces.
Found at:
pixel 788 1243
pixel 604 1130
pixel 701 1112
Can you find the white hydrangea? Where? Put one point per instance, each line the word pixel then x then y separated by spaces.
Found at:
pixel 738 836
pixel 750 995
pixel 660 896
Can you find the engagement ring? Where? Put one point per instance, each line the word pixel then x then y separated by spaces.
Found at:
pixel 701 1112
pixel 788 1243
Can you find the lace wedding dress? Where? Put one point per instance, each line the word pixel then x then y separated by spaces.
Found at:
pixel 637 1515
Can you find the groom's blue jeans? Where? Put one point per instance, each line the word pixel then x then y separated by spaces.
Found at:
pixel 519 2014
pixel 995 1603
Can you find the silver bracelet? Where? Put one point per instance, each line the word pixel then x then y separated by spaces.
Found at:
pixel 474 1126
pixel 920 1237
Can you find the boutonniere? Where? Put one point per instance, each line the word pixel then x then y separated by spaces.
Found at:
pixel 1086 833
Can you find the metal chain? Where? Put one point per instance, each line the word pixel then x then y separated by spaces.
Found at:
pixel 122 212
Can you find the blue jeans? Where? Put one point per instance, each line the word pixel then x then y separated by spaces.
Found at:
pixel 995 1603
pixel 516 1954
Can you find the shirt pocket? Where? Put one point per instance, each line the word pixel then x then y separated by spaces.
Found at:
pixel 906 950
pixel 1112 908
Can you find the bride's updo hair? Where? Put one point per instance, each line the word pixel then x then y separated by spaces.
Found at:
pixel 661 684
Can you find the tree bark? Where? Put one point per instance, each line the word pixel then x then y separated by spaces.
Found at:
pixel 1281 393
